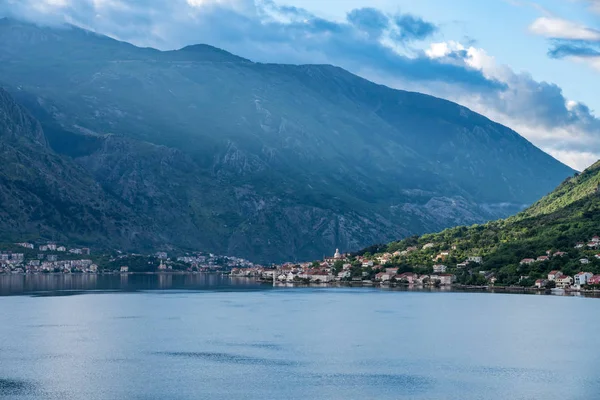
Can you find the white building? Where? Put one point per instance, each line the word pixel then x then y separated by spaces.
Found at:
pixel 553 275
pixel 582 278
pixel 439 268
pixel 445 279
pixel 564 281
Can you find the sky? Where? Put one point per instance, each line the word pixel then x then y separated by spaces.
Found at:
pixel 531 65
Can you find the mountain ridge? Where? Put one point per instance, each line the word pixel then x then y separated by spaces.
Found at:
pixel 272 162
pixel 552 234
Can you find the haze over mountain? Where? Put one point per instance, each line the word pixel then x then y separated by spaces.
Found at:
pixel 198 148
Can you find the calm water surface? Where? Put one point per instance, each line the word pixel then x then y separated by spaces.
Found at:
pixel 207 337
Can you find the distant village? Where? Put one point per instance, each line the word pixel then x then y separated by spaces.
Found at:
pixel 342 268
pixel 57 258
pixel 384 269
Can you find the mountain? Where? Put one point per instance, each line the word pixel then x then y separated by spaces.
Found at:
pixel 556 223
pixel 43 194
pixel 271 162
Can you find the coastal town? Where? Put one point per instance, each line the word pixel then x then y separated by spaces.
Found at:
pixel 56 258
pixel 441 269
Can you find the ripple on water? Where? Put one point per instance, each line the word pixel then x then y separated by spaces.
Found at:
pixel 405 382
pixel 16 387
pixel 228 358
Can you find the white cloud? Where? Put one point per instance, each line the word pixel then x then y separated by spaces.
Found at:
pixel 558 28
pixel 536 110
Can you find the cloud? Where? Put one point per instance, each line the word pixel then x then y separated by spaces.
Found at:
pixel 369 20
pixel 562 49
pixel 537 110
pixel 570 40
pixel 557 28
pixel 387 48
pixel 413 28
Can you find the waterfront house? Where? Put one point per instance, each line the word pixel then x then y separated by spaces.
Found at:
pixel 582 278
pixel 344 274
pixel 320 276
pixel 383 277
pixel 265 274
pixel 409 277
pixel 594 280
pixel 553 275
pixel 541 283
pixel 439 268
pixel 564 281
pixel 124 269
pixel 446 279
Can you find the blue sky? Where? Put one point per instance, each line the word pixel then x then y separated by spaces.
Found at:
pixel 531 65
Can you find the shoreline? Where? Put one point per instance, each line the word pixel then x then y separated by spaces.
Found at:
pixel 334 284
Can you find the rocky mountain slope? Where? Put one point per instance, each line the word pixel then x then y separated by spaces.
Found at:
pixel 555 224
pixel 269 162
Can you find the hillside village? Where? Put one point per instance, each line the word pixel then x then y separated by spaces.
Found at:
pixel 412 262
pixel 430 265
pixel 56 258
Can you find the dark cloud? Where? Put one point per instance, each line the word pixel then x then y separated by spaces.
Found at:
pixel 369 20
pixel 413 28
pixel 576 48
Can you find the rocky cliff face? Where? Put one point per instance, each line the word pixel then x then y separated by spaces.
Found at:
pixel 43 194
pixel 210 151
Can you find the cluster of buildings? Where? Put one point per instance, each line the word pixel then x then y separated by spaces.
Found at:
pixel 592 244
pixel 324 272
pixel 41 266
pixel 547 257
pixel 53 247
pixel 564 281
pixel 211 262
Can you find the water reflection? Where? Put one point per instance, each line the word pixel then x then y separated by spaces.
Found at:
pixel 70 284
